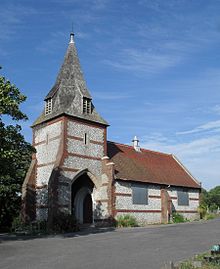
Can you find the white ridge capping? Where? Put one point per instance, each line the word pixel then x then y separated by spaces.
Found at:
pixel 111 163
pixel 105 158
pixel 187 171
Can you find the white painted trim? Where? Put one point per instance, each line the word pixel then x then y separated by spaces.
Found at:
pixel 78 203
pixel 105 158
pixel 186 170
pixel 111 163
pixel 86 171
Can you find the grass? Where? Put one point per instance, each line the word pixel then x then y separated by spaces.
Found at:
pixel 178 218
pixel 191 264
pixel 126 221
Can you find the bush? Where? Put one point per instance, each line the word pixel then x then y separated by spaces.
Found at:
pixel 17 224
pixel 126 221
pixel 178 218
pixel 202 210
pixel 64 223
pixel 33 228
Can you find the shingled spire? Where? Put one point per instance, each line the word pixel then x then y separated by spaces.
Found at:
pixel 70 95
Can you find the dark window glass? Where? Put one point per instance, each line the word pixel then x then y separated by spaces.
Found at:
pixel 140 195
pixel 86 105
pixel 183 197
pixel 48 106
pixel 85 138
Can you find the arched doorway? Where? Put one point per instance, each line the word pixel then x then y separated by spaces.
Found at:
pixel 87 209
pixel 82 203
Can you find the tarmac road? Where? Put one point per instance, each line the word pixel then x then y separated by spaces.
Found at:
pixel 148 247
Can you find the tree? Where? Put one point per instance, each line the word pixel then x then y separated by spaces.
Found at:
pixel 15 153
pixel 214 197
pixel 204 198
pixel 210 199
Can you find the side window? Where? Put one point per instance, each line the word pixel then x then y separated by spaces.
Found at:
pixel 183 197
pixel 140 195
pixel 48 106
pixel 86 140
pixel 87 107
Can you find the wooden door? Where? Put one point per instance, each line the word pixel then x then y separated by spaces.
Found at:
pixel 87 209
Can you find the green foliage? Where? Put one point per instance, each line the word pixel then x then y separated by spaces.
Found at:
pixel 126 221
pixel 210 202
pixel 213 263
pixel 178 218
pixel 202 210
pixel 186 265
pixel 15 154
pixel 209 216
pixel 10 99
pixel 34 228
pixel 204 198
pixel 214 196
pixel 211 199
pixel 17 224
pixel 65 223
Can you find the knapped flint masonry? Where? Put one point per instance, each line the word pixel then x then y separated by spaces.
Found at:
pixel 75 170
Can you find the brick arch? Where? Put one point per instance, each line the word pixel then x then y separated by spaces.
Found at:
pixel 89 174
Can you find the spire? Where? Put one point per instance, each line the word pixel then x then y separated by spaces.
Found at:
pixel 70 74
pixel 70 93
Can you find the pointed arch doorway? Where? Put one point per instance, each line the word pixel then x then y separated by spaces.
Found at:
pixel 82 199
pixel 87 209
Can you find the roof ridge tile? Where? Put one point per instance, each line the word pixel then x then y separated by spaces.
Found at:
pixel 143 149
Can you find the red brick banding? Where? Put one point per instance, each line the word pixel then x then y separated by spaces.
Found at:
pixel 55 137
pixel 69 169
pixel 194 199
pixel 75 137
pixel 137 211
pixel 54 120
pixel 102 200
pixel 86 122
pixel 84 156
pixel 41 187
pixel 155 196
pixel 105 142
pixel 123 194
pixel 186 211
pixel 45 164
pixel 96 142
pixel 40 143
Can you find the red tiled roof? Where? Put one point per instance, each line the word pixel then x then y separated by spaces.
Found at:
pixel 148 166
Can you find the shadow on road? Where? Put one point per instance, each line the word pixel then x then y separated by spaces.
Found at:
pixel 83 232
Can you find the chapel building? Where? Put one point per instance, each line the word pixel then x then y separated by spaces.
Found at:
pixel 75 170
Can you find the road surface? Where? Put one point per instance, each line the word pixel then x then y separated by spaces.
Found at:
pixel 148 247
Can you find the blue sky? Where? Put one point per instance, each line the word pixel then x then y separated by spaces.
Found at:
pixel 152 67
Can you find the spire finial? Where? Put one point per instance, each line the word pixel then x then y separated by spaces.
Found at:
pixel 71 37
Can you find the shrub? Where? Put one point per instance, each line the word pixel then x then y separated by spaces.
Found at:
pixel 126 221
pixel 178 218
pixel 64 223
pixel 202 210
pixel 33 228
pixel 17 224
